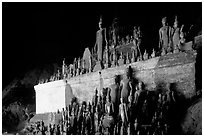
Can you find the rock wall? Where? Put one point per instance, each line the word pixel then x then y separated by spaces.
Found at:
pixel 192 124
pixel 172 68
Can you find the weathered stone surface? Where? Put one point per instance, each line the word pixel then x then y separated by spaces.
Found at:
pixel 192 124
pixel 98 66
pixel 177 68
pixel 174 68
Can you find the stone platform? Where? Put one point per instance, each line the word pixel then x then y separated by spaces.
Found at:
pixel 173 68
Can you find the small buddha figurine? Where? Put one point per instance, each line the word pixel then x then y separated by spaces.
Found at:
pixel 153 53
pixel 176 49
pixel 58 74
pixel 123 42
pixel 121 55
pixel 136 126
pixel 127 58
pixel 182 38
pixel 163 52
pixel 114 58
pixel 83 67
pixel 78 66
pixel 133 56
pixel 121 60
pixel 127 39
pixel 109 108
pixel 145 56
pixel 74 67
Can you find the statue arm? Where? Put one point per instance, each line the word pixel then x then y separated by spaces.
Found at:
pixel 170 34
pixel 170 31
pixel 95 46
pixel 105 36
pixel 160 39
pixel 181 30
pixel 126 112
pixel 106 108
pixel 113 108
pixel 130 84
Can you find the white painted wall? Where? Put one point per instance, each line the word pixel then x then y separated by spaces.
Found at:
pixel 50 96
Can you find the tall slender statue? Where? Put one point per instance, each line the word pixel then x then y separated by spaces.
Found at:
pixel 101 41
pixel 106 57
pixel 137 34
pixel 115 94
pixel 63 67
pixel 123 115
pixel 164 35
pixel 101 84
pixel 175 34
pixel 127 85
pixel 115 29
pixel 182 38
pixel 90 64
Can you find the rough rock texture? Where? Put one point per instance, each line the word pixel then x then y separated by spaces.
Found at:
pixel 19 97
pixel 192 124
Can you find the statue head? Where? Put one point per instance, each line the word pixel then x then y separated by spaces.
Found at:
pixel 176 22
pixel 121 99
pixel 100 22
pixel 64 61
pixel 182 34
pixel 164 20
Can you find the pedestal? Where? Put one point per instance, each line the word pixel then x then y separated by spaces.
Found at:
pixel 98 66
pixel 121 62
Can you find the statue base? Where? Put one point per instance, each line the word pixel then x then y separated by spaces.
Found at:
pixel 121 62
pixel 107 65
pixel 113 64
pixel 128 61
pixel 98 66
pixel 132 60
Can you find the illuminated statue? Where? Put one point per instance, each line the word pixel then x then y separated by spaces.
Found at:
pixel 101 41
pixel 164 35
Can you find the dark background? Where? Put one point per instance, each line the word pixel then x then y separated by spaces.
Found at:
pixel 44 33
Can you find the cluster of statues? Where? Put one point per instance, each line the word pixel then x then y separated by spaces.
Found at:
pixel 124 108
pixel 106 47
pixel 105 53
pixel 171 39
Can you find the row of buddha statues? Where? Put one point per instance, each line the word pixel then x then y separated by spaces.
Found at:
pixel 106 54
